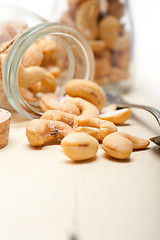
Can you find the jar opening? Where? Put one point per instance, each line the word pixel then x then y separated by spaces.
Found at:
pixel 73 59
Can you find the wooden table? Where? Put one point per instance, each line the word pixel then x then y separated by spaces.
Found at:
pixel 43 195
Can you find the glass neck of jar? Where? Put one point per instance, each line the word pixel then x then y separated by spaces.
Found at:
pixel 80 58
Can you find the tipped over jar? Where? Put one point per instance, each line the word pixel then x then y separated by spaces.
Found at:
pixel 107 25
pixel 37 58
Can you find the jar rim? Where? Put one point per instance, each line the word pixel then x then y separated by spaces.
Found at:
pixel 11 66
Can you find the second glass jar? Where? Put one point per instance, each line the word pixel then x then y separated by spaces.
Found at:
pixel 107 25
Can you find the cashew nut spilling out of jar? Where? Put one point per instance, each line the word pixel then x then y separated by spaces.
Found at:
pixel 86 18
pixel 56 115
pixel 40 131
pixel 27 77
pixel 33 56
pixel 46 85
pixel 51 102
pixel 79 146
pixel 93 126
pixel 88 90
pixel 86 108
pixel 28 95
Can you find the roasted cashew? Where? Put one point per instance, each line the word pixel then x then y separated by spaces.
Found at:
pixel 109 31
pixel 33 56
pixel 88 90
pixel 28 95
pixel 40 131
pixel 79 146
pixel 46 85
pixel 117 146
pixel 54 70
pixel 86 18
pixel 51 102
pixel 118 116
pixel 60 116
pixel 27 77
pixel 49 49
pixel 104 127
pixel 138 143
pixel 93 126
pixel 86 108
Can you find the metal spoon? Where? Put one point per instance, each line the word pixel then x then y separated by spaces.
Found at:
pixel 111 98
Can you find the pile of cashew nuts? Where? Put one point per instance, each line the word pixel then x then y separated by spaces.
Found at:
pixel 83 122
pixel 101 22
pixel 42 65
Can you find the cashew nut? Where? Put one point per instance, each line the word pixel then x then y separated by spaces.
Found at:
pixel 105 127
pixel 51 102
pixel 40 131
pixel 49 49
pixel 88 90
pixel 138 143
pixel 109 31
pixel 86 108
pixel 54 70
pixel 117 146
pixel 118 116
pixel 60 116
pixel 86 18
pixel 27 77
pixel 28 95
pixel 79 146
pixel 93 126
pixel 33 56
pixel 46 85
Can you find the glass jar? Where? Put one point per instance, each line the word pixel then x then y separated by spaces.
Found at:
pixel 107 25
pixel 69 52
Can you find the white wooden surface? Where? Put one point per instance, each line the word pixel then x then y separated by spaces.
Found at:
pixel 45 196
